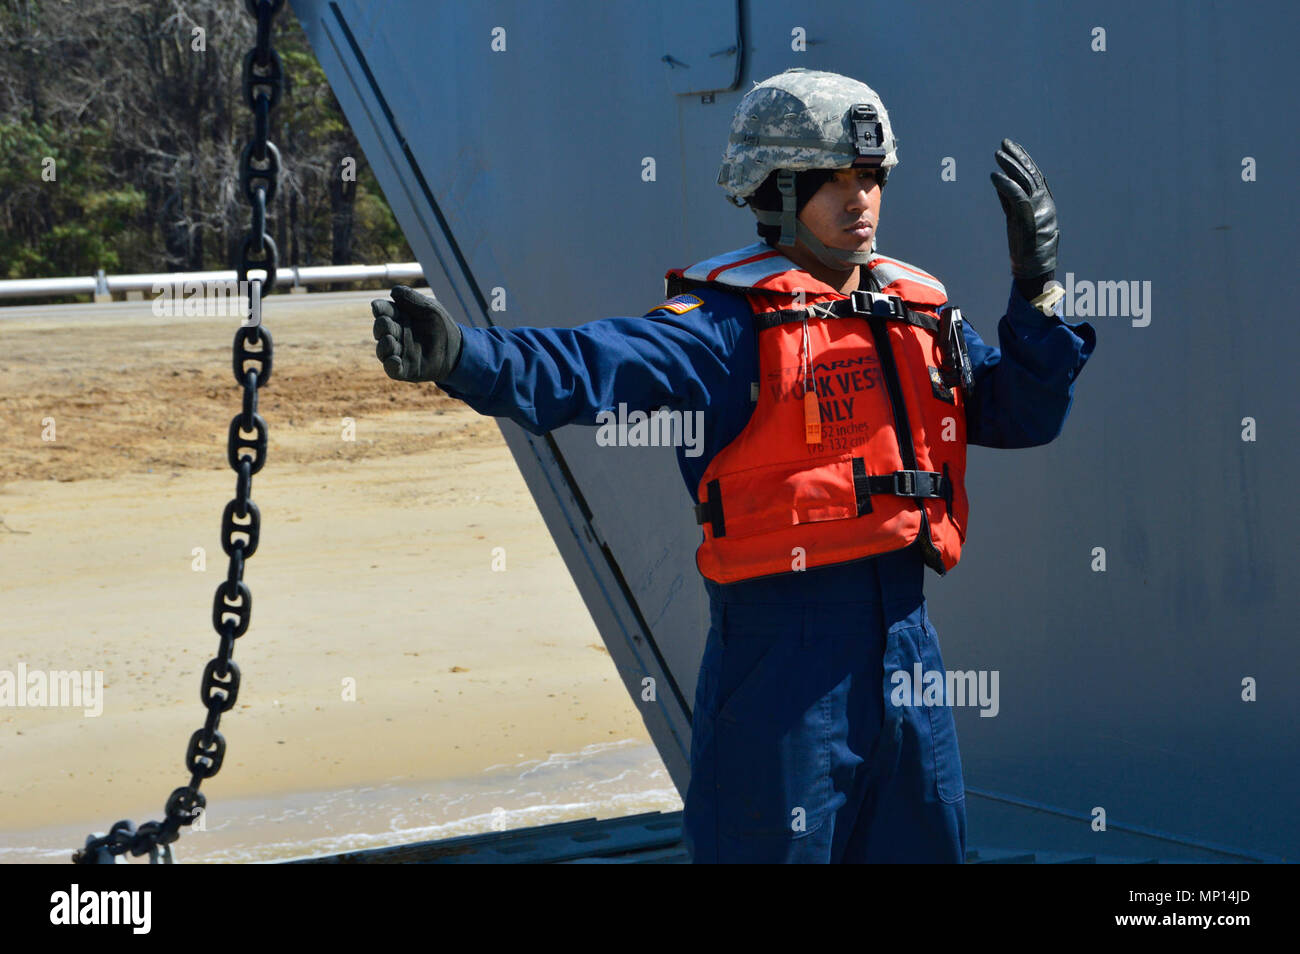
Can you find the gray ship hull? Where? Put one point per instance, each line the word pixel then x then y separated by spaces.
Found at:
pixel 1170 154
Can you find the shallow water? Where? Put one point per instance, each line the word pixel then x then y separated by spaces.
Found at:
pixel 606 780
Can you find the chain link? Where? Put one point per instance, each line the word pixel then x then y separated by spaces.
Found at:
pixel 232 606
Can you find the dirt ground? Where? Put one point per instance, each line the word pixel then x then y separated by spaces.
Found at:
pixel 129 392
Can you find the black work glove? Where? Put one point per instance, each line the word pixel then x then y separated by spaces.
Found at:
pixel 1031 216
pixel 418 341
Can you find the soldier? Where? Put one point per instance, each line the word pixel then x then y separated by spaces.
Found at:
pixel 842 391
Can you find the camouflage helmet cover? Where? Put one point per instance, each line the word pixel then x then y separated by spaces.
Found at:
pixel 798 120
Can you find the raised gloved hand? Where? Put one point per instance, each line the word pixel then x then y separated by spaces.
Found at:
pixel 1031 213
pixel 418 341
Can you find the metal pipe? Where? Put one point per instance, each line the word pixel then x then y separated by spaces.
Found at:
pixel 402 272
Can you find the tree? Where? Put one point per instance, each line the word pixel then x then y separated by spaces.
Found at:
pixel 139 108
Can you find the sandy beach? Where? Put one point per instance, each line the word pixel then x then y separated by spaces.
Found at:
pixel 385 655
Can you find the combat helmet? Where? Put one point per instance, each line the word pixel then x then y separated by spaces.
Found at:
pixel 798 121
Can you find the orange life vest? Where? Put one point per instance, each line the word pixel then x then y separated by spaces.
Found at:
pixel 857 443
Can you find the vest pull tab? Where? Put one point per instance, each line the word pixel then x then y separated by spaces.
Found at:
pixel 812 418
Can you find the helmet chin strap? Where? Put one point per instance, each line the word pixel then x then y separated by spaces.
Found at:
pixel 836 258
pixel 793 230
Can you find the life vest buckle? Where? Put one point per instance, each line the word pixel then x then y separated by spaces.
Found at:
pixel 875 303
pixel 904 483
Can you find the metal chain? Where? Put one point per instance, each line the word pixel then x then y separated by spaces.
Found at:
pixel 259 168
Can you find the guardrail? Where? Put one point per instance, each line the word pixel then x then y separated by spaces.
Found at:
pixel 104 286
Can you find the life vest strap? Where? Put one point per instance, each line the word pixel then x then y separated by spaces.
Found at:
pixel 711 510
pixel 859 305
pixel 901 483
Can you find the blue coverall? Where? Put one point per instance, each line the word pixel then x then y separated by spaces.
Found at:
pixel 797 752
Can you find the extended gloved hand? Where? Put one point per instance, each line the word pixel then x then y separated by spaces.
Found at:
pixel 418 341
pixel 1031 212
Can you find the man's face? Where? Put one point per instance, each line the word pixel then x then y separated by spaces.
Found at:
pixel 845 211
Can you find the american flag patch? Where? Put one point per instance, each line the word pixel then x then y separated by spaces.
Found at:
pixel 680 304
